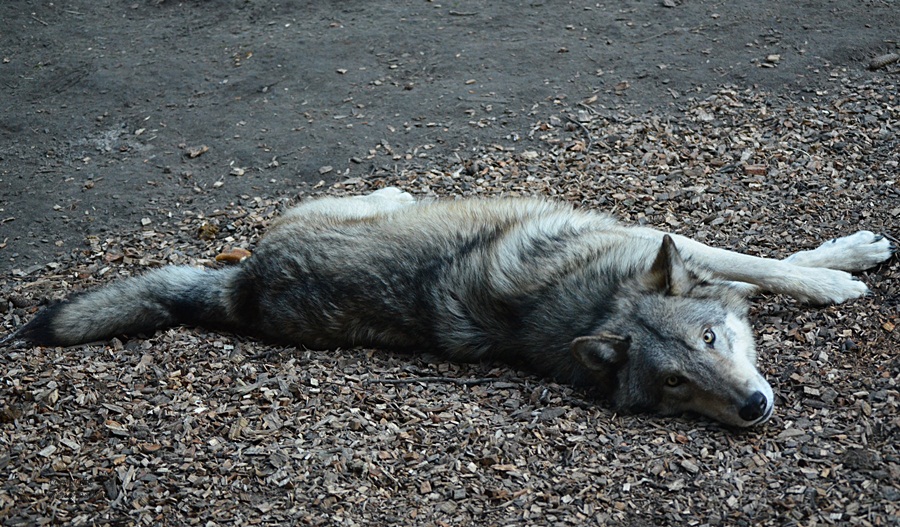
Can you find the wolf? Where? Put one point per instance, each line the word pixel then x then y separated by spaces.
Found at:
pixel 656 322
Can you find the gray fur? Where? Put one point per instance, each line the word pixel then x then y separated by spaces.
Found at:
pixel 570 294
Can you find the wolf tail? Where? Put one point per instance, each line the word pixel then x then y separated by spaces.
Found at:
pixel 162 298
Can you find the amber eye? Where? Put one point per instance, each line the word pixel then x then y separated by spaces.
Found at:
pixel 674 380
pixel 709 337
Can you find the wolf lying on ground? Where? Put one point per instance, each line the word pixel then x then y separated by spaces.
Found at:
pixel 658 322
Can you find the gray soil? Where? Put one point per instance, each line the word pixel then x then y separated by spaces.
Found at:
pixel 102 101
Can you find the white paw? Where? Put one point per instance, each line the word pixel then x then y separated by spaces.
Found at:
pixel 852 253
pixel 819 285
pixel 392 194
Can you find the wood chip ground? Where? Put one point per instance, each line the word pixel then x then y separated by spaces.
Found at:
pixel 191 427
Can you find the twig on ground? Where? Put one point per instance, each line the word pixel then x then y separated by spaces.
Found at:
pixel 451 380
pixel 586 132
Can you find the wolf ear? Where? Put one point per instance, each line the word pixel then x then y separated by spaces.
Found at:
pixel 668 274
pixel 602 351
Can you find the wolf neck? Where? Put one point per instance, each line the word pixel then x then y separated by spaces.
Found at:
pixel 529 309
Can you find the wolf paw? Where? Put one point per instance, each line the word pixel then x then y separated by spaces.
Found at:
pixel 823 286
pixel 391 194
pixel 852 253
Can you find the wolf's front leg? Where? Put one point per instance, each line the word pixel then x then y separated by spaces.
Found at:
pixel 828 265
pixel 815 285
pixel 852 253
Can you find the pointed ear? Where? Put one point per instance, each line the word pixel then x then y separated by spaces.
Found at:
pixel 668 274
pixel 601 352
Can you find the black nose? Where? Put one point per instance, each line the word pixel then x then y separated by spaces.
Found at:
pixel 754 408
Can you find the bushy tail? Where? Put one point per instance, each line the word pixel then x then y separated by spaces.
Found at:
pixel 159 299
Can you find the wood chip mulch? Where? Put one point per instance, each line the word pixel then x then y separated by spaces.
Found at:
pixel 191 427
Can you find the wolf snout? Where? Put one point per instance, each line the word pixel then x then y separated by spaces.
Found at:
pixel 755 407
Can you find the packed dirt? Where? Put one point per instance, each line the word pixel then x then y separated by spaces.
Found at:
pixel 138 134
pixel 106 103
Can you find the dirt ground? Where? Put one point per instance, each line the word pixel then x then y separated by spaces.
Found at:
pixel 149 132
pixel 103 100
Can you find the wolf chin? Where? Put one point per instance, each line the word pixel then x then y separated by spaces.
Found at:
pixel 656 322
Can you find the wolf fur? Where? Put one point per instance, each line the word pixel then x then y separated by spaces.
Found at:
pixel 657 322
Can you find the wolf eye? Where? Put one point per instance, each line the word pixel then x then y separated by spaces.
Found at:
pixel 709 337
pixel 674 380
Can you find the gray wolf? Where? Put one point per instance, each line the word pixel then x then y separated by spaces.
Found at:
pixel 656 322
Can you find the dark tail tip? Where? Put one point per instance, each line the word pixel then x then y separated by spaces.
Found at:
pixel 37 332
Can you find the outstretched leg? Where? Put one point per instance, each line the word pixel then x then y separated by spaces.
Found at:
pixel 856 252
pixel 818 276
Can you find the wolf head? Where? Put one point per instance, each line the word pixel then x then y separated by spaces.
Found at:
pixel 680 342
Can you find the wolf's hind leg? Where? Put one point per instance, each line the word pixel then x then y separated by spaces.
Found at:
pixel 389 194
pixel 386 199
pixel 852 253
pixel 381 201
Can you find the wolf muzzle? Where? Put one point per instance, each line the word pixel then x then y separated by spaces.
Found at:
pixel 754 408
